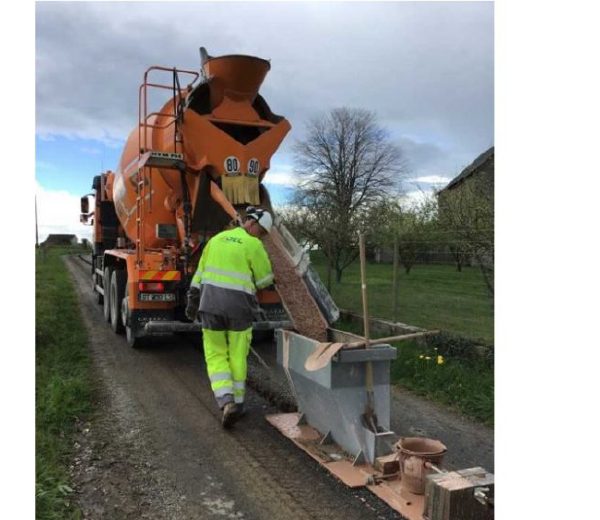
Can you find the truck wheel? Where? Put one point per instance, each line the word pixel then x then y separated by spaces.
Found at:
pixel 133 340
pixel 97 296
pixel 106 287
pixel 125 306
pixel 117 291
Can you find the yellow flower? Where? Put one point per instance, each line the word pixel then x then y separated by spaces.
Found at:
pixel 440 360
pixel 421 356
pixel 427 358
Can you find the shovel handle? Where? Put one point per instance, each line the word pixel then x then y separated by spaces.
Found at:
pixel 363 284
pixel 219 197
pixel 369 411
pixel 388 339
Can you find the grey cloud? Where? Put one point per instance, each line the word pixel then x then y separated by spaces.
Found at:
pixel 425 159
pixel 425 68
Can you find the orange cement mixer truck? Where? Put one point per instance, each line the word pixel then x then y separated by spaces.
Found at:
pixel 186 172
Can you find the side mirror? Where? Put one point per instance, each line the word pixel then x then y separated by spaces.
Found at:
pixel 86 216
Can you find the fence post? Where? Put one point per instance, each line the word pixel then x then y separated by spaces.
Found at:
pixel 395 279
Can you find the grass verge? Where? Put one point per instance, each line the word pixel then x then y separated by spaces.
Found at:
pixel 466 385
pixel 459 379
pixel 63 383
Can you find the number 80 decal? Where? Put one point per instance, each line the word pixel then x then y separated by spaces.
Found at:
pixel 232 165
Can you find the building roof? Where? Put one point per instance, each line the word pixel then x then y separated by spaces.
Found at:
pixel 471 169
pixel 56 237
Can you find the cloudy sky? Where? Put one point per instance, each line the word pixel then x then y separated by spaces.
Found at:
pixel 425 68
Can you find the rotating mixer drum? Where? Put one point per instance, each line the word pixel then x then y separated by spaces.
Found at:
pixel 226 134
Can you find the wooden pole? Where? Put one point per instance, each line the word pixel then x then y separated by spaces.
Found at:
pixel 369 415
pixel 395 279
pixel 363 284
pixel 37 242
pixel 328 274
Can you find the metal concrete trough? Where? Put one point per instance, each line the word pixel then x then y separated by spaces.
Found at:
pixel 333 399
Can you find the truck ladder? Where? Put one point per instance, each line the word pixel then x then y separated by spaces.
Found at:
pixel 149 159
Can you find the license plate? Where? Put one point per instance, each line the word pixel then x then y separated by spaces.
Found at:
pixel 151 297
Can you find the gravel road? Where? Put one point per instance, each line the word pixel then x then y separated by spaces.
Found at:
pixel 156 449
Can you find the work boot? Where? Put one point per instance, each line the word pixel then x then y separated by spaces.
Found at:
pixel 230 415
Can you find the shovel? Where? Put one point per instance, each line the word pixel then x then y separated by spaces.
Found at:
pixel 324 352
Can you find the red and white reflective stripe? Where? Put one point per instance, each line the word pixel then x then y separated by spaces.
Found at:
pixel 160 275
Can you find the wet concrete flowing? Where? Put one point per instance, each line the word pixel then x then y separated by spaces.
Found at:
pixel 302 308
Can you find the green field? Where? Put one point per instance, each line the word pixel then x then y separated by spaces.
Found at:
pixel 431 296
pixel 63 383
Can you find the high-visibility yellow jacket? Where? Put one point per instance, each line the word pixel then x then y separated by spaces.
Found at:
pixel 234 260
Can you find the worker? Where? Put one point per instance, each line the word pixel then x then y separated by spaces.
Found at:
pixel 233 265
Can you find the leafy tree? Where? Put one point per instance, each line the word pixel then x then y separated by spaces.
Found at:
pixel 312 227
pixel 413 227
pixel 467 215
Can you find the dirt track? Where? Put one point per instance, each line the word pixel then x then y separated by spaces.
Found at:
pixel 156 448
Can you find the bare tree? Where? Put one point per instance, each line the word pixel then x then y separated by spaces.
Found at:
pixel 347 163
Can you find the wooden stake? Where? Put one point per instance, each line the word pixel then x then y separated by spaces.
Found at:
pixel 395 279
pixel 363 285
pixel 37 243
pixel 369 415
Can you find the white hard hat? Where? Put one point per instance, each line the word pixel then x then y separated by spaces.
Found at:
pixel 262 216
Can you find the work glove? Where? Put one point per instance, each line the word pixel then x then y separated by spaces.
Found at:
pixel 193 302
pixel 235 222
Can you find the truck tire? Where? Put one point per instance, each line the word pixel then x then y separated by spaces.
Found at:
pixel 131 334
pixel 117 292
pixel 97 296
pixel 133 341
pixel 106 287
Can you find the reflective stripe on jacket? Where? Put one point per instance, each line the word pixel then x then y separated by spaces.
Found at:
pixel 235 260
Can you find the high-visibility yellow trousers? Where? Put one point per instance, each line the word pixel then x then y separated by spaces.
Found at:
pixel 225 352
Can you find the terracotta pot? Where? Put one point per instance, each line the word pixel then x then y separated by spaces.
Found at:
pixel 413 453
